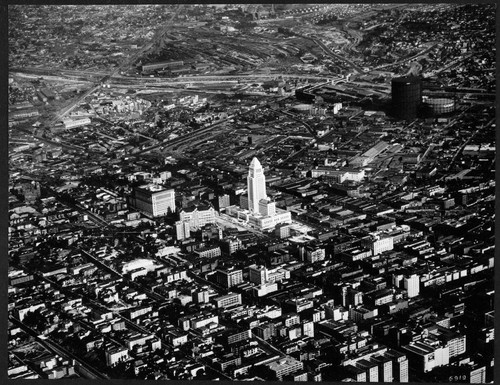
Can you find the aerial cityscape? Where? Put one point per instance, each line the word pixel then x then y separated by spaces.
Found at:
pixel 274 192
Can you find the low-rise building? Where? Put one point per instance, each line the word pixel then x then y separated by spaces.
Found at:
pixel 426 355
pixel 198 216
pixel 284 367
pixel 115 355
pixel 227 300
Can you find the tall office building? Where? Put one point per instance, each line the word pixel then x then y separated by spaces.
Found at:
pixel 153 200
pixel 399 365
pixel 182 230
pixel 229 277
pixel 256 181
pixel 200 295
pixel 257 274
pixel 257 209
pixel 412 285
pixel 223 201
pixel 406 97
pixel 377 363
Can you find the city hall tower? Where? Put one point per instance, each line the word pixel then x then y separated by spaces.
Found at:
pixel 256 182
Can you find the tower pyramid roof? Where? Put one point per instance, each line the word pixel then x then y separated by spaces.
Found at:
pixel 255 163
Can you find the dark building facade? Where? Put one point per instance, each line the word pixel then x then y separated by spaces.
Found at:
pixel 406 97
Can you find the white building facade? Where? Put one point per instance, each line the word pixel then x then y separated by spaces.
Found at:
pixel 256 182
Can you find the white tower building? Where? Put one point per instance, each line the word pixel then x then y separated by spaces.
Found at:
pixel 412 285
pixel 256 185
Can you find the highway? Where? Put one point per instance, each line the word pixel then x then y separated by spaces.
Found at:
pixel 228 221
pixel 116 79
pixel 85 299
pixel 101 222
pixel 329 52
pixel 449 65
pixel 68 146
pixel 103 78
pixel 100 264
pixel 44 71
pixel 74 103
pixel 170 144
pixel 203 281
pixel 407 59
pixel 122 126
pixel 29 73
pixel 151 294
pixel 82 367
pixel 87 325
pixel 355 34
pixel 145 82
pixel 270 346
pixel 52 142
pixel 95 218
pixel 159 300
pixel 460 149
pixel 306 125
pixel 138 82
